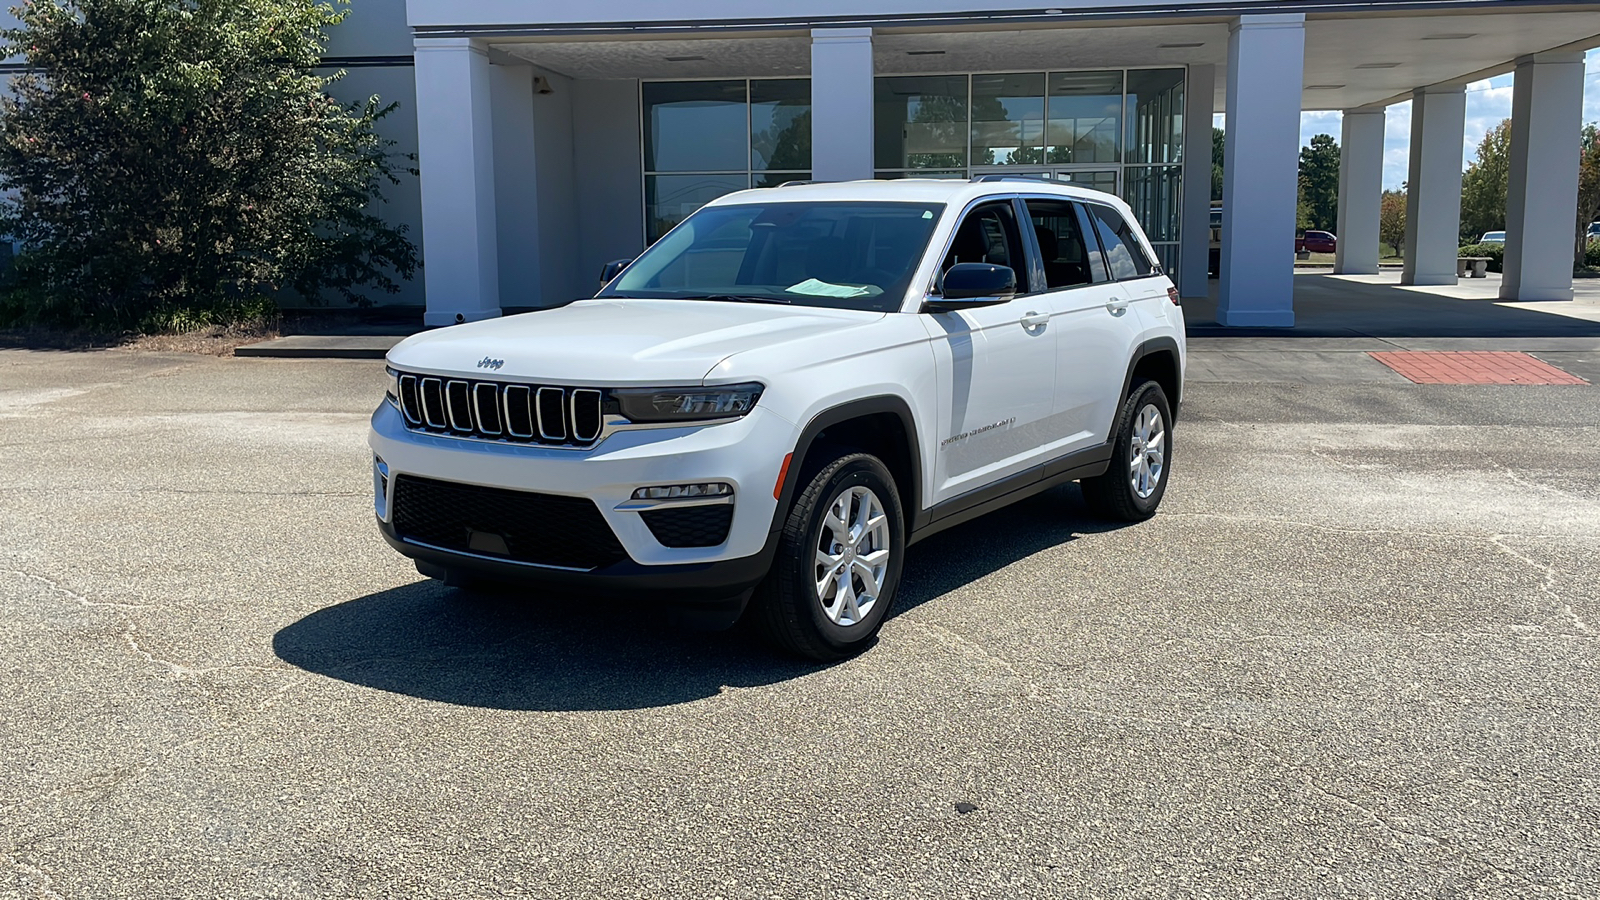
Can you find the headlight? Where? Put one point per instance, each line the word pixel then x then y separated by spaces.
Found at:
pixel 392 392
pixel 688 404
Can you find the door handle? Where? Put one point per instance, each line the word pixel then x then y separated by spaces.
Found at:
pixel 1035 320
pixel 1118 305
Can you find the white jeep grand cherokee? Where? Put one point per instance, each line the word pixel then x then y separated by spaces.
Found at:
pixel 774 400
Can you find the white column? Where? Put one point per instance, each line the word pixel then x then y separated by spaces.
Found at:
pixel 456 156
pixel 1360 191
pixel 1195 251
pixel 1433 195
pixel 1542 197
pixel 841 104
pixel 1266 65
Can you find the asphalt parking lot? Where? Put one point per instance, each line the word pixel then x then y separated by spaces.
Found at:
pixel 1355 655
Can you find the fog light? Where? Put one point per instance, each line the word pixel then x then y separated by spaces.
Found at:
pixel 684 491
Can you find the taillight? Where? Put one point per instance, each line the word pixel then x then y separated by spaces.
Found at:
pixel 1172 294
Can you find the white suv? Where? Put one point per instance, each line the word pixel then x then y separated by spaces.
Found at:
pixel 774 400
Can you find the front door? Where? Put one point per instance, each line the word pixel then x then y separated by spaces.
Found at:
pixel 996 366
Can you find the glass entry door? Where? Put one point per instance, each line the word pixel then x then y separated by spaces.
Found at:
pixel 1096 178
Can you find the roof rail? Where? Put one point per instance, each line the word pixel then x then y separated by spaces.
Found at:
pixel 796 183
pixel 1019 176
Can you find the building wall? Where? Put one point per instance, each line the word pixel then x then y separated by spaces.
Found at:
pixel 608 169
pixel 558 192
pixel 374 47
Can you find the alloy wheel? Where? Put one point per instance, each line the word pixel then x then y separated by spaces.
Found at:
pixel 852 556
pixel 1147 452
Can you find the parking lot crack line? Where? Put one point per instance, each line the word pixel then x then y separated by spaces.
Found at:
pixel 182 492
pixel 73 595
pixel 979 652
pixel 99 785
pixel 1443 844
pixel 1563 609
pixel 31 873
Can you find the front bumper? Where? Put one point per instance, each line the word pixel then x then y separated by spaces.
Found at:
pixel 707 582
pixel 746 454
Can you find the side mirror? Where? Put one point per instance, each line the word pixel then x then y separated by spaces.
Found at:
pixel 610 271
pixel 968 285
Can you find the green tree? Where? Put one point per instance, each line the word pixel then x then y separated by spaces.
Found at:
pixel 1484 186
pixel 1588 189
pixel 1219 149
pixel 163 155
pixel 1392 220
pixel 1319 182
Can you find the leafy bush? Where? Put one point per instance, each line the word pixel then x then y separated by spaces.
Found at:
pixel 179 160
pixel 1495 252
pixel 1591 255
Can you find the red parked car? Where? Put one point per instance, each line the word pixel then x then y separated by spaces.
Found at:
pixel 1316 242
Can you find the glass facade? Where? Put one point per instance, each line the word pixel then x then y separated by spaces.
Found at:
pixel 704 139
pixel 1115 130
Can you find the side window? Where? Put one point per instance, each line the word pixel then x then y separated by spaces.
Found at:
pixel 1125 256
pixel 989 235
pixel 1061 245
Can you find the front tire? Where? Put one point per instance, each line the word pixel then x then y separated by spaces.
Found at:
pixel 1141 459
pixel 834 579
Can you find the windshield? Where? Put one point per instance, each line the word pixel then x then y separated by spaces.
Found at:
pixel 834 254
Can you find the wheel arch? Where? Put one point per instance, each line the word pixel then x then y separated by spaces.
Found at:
pixel 881 425
pixel 1159 360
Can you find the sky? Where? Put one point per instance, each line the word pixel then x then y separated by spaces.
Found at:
pixel 1488 102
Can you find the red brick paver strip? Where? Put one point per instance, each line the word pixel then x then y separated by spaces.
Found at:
pixel 1474 367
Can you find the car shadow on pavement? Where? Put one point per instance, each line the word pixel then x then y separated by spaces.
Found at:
pixel 559 650
pixel 953 559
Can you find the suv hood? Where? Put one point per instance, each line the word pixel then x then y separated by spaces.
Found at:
pixel 617 341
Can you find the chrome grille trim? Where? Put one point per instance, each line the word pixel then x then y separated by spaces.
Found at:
pixel 411 399
pixel 460 419
pixel 557 395
pixel 512 421
pixel 428 412
pixel 493 404
pixel 582 403
pixel 538 415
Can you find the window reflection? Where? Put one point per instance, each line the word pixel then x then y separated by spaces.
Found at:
pixel 1155 115
pixel 669 199
pixel 1085 117
pixel 780 125
pixel 695 126
pixel 1008 119
pixel 921 122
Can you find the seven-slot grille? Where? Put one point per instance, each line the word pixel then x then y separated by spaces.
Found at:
pixel 521 413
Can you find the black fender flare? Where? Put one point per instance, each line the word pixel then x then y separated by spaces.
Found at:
pixel 854 409
pixel 1149 348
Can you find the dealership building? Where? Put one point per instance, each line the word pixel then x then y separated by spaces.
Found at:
pixel 553 137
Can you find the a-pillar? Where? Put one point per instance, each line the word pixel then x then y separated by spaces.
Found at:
pixel 456 157
pixel 1194 257
pixel 1433 186
pixel 1360 191
pixel 1266 65
pixel 1542 196
pixel 841 104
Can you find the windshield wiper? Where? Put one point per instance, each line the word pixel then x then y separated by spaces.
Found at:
pixel 739 298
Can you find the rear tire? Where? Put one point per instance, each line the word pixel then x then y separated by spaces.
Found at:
pixel 837 569
pixel 1141 458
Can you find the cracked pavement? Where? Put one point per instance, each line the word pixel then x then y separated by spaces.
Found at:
pixel 1355 656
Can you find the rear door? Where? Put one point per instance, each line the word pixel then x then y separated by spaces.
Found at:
pixel 1095 323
